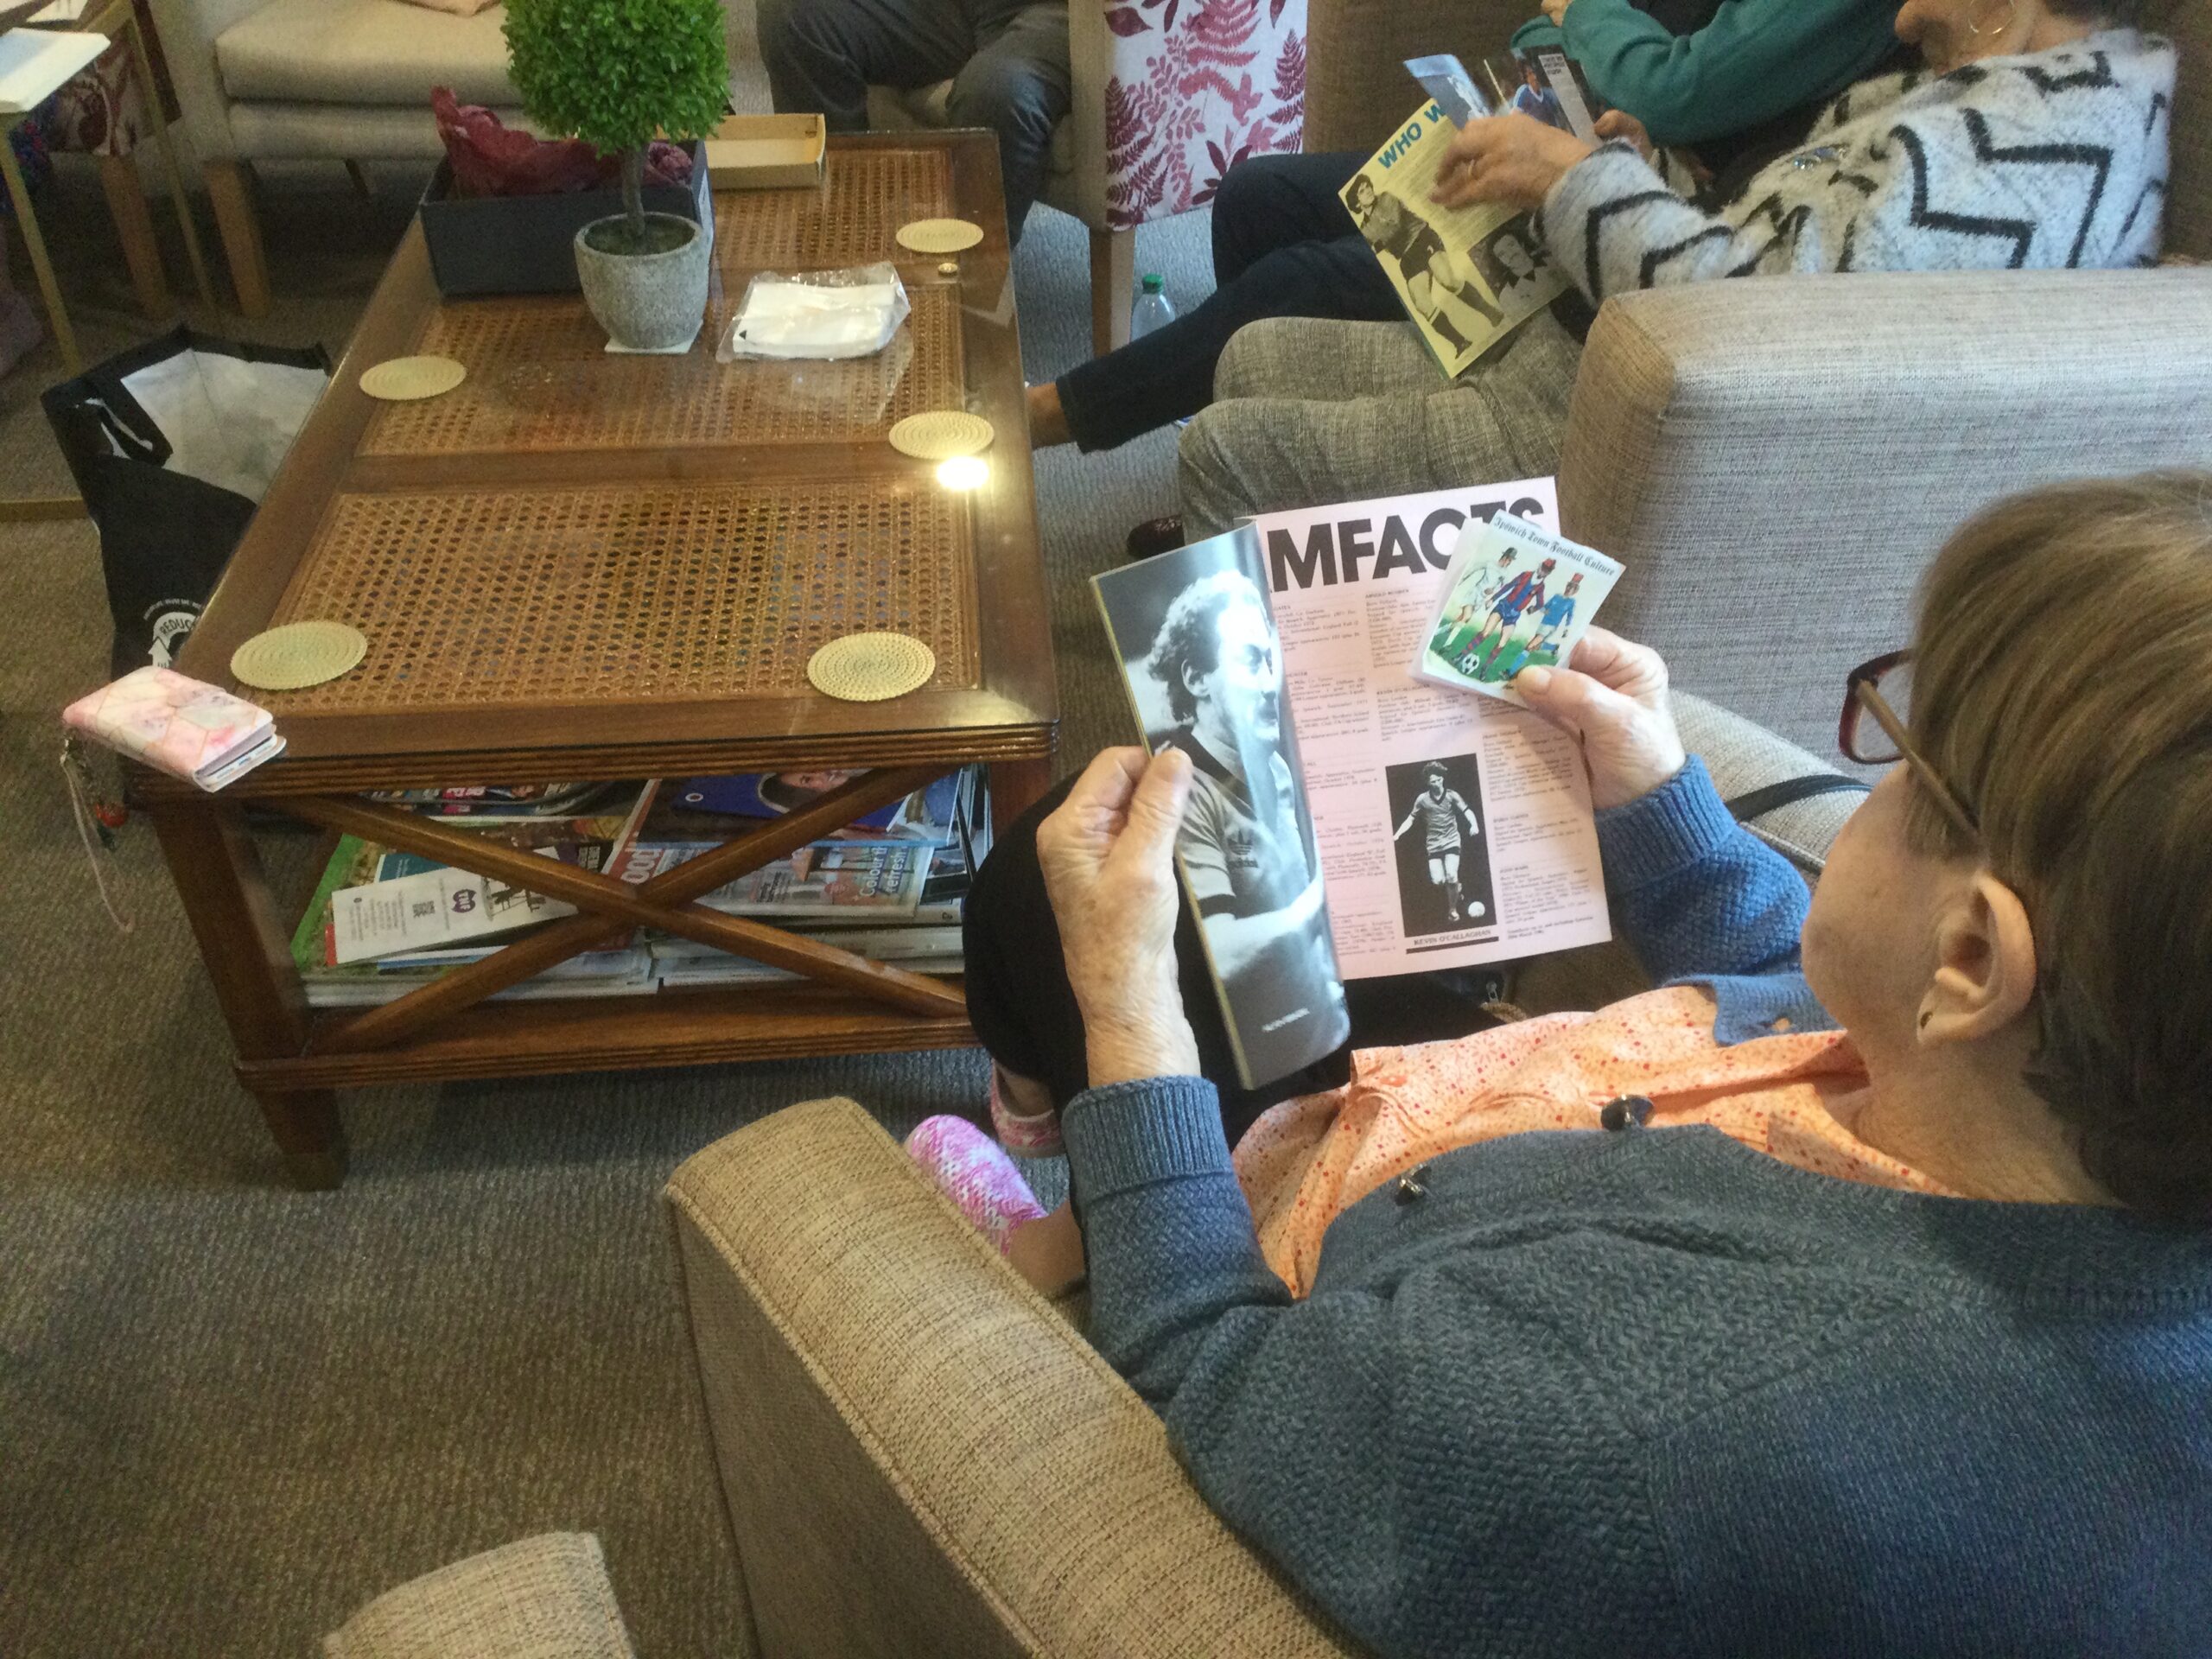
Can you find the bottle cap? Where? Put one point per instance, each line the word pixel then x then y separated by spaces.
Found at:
pixel 1154 283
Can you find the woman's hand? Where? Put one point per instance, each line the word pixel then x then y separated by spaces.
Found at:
pixel 1556 10
pixel 1613 696
pixel 1108 858
pixel 1515 159
pixel 1619 123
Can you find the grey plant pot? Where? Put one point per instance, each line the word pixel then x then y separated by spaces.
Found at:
pixel 648 301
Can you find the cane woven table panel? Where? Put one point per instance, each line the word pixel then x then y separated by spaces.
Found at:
pixel 540 379
pixel 479 597
pixel 854 221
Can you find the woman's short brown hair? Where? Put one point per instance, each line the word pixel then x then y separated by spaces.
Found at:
pixel 2062 685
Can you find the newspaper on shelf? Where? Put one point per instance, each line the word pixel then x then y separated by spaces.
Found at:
pixel 1453 829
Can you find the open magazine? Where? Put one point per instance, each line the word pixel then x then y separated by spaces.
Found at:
pixel 1204 671
pixel 1454 829
pixel 1347 821
pixel 1468 275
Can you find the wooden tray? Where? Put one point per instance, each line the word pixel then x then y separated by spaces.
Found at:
pixel 766 152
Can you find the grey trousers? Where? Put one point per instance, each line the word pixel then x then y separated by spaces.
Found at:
pixel 1308 411
pixel 1008 61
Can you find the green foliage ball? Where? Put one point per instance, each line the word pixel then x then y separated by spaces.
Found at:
pixel 614 72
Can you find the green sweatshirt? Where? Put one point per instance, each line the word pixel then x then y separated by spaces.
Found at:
pixel 1756 59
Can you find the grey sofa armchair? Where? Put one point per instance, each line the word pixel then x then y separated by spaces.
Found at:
pixel 1775 460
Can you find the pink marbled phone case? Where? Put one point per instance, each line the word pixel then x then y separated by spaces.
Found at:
pixel 182 727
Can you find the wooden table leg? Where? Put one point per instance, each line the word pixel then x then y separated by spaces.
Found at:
pixel 34 245
pixel 245 945
pixel 134 226
pixel 1017 785
pixel 160 123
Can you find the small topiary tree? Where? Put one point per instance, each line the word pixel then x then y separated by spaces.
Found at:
pixel 618 72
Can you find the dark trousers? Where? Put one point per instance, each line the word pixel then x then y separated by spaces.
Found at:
pixel 1008 61
pixel 1025 1013
pixel 1283 246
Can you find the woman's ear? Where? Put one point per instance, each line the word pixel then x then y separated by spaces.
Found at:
pixel 1985 963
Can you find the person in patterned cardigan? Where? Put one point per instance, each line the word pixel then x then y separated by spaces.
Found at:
pixel 2035 136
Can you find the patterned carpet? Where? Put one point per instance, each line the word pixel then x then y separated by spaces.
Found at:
pixel 230 1413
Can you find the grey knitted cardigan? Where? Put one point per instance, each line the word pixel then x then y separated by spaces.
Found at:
pixel 2047 160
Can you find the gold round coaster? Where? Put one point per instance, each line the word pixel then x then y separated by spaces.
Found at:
pixel 869 667
pixel 940 235
pixel 297 654
pixel 941 434
pixel 402 379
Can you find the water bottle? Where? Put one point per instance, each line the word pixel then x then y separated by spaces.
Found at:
pixel 1151 310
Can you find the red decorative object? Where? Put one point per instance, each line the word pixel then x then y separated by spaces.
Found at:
pixel 492 159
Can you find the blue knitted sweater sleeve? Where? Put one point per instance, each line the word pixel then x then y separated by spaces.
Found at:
pixel 1695 894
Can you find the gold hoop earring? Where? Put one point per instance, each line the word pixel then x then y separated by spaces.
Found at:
pixel 2011 17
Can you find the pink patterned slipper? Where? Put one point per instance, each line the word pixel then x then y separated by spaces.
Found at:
pixel 1026 1137
pixel 973 1172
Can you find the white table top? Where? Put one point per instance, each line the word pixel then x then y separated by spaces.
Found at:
pixel 35 63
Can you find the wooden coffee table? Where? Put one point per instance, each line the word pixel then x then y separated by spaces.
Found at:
pixel 585 566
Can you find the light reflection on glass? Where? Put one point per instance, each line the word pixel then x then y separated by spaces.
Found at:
pixel 963 473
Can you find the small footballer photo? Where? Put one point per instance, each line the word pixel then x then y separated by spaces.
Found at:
pixel 1514 597
pixel 1442 857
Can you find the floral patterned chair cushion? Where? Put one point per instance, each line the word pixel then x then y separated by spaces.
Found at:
pixel 1196 86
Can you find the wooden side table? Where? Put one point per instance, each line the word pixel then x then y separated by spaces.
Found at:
pixel 108 22
pixel 585 566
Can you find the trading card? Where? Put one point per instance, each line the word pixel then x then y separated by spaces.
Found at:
pixel 1514 597
pixel 1444 79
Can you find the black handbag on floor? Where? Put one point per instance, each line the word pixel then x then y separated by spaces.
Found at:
pixel 171 445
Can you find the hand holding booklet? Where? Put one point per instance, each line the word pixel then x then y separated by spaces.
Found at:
pixel 1346 820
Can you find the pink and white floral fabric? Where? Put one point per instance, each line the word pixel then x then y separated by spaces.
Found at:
pixel 1197 86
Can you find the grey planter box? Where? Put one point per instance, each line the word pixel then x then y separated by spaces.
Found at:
pixel 525 245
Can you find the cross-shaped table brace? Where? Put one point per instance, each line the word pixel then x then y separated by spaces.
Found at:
pixel 611 906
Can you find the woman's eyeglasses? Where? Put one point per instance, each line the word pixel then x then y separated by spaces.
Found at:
pixel 1876 688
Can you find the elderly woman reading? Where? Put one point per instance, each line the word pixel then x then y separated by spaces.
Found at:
pixel 1850 1293
pixel 2036 136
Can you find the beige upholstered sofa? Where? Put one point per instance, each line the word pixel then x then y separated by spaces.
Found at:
pixel 345 81
pixel 921 1456
pixel 1775 461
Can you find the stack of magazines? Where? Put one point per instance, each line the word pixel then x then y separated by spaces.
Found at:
pixel 890 886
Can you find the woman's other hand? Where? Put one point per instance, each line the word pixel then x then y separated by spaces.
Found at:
pixel 1109 859
pixel 1619 123
pixel 1556 10
pixel 1613 696
pixel 1515 159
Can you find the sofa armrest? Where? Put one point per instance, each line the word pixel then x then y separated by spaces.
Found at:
pixel 188 31
pixel 1776 461
pixel 543 1598
pixel 1742 758
pixel 1358 92
pixel 1746 758
pixel 920 1457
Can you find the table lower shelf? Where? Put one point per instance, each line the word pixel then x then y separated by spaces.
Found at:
pixel 699 1027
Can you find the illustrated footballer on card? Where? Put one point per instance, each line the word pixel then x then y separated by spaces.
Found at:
pixel 1516 597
